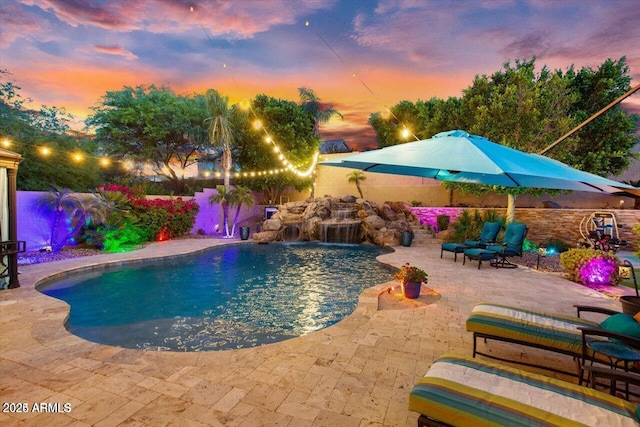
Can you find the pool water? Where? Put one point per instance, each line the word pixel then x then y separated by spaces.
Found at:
pixel 225 298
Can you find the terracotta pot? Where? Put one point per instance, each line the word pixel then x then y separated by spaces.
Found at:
pixel 411 289
pixel 630 304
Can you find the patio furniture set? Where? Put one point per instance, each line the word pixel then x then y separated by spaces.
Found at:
pixel 463 390
pixel 486 248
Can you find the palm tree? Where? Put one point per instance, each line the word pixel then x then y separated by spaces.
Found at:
pixel 66 205
pixel 221 133
pixel 311 104
pixel 222 197
pixel 356 177
pixel 238 197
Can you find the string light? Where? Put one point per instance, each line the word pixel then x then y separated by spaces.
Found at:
pixel 6 143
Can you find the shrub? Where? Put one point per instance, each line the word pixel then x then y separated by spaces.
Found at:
pixel 556 245
pixel 166 219
pixel 468 226
pixel 151 221
pixel 123 239
pixel 529 246
pixel 636 228
pixel 443 222
pixel 590 266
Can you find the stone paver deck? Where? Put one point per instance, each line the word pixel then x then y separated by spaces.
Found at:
pixel 356 373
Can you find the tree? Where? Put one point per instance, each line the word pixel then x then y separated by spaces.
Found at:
pixel 29 131
pixel 239 197
pixel 519 108
pixel 604 145
pixel 222 197
pixel 152 125
pixel 528 110
pixel 291 129
pixel 319 112
pixel 356 177
pixel 221 131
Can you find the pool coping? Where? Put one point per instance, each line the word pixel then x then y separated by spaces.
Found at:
pixel 356 372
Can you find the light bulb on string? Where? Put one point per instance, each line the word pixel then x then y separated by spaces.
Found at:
pixel 6 143
pixel 405 133
pixel 257 124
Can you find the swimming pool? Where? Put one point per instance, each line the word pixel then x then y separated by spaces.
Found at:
pixel 225 298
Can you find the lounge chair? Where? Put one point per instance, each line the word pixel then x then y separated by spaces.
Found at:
pixel 552 332
pixel 461 391
pixel 488 236
pixel 497 254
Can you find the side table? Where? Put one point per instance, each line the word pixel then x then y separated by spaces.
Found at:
pixel 619 356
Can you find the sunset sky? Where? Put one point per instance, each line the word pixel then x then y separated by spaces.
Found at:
pixel 68 53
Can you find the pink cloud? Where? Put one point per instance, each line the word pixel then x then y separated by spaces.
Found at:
pixel 116 50
pixel 15 24
pixel 234 19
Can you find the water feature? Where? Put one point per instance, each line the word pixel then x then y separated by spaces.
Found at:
pixel 342 227
pixel 225 298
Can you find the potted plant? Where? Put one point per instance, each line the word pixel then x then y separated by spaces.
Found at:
pixel 411 278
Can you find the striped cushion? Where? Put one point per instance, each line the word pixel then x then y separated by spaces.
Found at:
pixel 529 326
pixel 463 391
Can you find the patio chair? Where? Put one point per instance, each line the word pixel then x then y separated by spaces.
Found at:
pixel 488 236
pixel 461 391
pixel 557 333
pixel 497 254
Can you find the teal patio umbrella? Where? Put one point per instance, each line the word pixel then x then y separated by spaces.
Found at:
pixel 457 156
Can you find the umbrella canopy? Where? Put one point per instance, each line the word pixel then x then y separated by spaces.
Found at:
pixel 456 156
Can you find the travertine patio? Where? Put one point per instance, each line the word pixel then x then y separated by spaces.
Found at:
pixel 356 373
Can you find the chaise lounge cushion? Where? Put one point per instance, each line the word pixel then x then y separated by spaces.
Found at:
pixel 462 391
pixel 529 326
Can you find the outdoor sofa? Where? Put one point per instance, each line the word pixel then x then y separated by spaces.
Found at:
pixel 463 391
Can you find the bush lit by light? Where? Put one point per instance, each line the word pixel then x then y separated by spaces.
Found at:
pixel 599 272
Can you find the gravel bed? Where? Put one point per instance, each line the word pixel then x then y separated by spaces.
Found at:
pixel 28 258
pixel 547 263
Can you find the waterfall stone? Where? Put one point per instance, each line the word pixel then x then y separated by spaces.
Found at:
pixel 273 224
pixel 345 219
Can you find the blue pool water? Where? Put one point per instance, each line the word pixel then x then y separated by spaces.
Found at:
pixel 230 297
